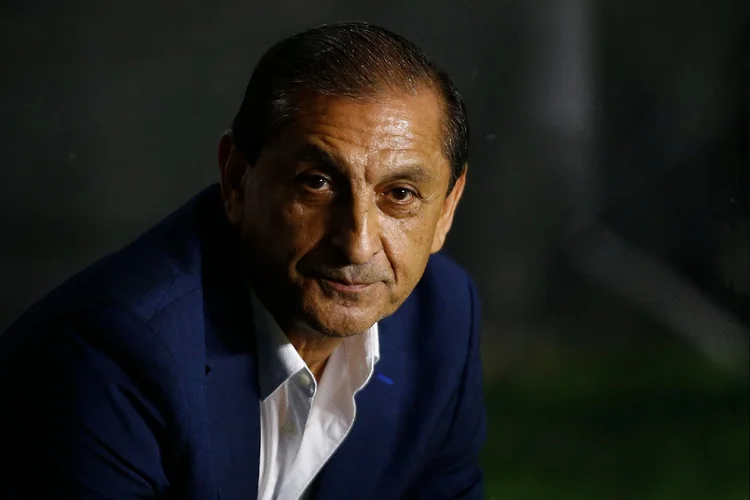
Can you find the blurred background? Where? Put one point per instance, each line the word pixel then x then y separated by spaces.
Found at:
pixel 605 220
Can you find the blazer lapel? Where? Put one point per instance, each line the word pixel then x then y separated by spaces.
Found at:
pixel 234 426
pixel 233 415
pixel 233 398
pixel 358 465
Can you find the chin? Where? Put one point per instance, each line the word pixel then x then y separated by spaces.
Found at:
pixel 339 320
pixel 336 313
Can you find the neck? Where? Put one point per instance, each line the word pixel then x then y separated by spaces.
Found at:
pixel 313 348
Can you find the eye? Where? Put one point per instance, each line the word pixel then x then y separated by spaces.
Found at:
pixel 402 195
pixel 314 182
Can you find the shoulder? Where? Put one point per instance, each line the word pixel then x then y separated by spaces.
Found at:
pixel 446 277
pixel 447 292
pixel 112 306
pixel 440 317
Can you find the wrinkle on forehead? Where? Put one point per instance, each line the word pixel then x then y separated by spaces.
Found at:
pixel 396 122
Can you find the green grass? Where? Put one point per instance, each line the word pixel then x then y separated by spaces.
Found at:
pixel 655 422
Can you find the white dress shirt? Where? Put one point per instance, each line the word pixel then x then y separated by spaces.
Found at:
pixel 302 421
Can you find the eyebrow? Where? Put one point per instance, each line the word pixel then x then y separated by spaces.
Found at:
pixel 311 152
pixel 414 172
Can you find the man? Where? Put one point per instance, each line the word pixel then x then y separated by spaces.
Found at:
pixel 290 333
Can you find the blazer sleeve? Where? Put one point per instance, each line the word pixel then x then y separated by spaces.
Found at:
pixel 455 473
pixel 78 423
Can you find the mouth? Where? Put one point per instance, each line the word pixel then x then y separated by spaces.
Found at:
pixel 345 287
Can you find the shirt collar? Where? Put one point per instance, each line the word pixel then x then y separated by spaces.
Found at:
pixel 278 360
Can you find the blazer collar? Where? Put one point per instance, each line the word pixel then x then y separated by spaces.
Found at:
pixel 233 408
pixel 228 315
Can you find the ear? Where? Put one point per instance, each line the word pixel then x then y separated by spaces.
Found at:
pixel 449 208
pixel 232 168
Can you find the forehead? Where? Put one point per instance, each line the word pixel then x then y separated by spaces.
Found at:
pixel 386 123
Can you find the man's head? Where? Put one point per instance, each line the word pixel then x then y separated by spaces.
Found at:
pixel 342 172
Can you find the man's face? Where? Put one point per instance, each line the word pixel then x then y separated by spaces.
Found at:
pixel 341 212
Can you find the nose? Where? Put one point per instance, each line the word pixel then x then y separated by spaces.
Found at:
pixel 356 230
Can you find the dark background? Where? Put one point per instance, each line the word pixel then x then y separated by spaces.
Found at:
pixel 605 220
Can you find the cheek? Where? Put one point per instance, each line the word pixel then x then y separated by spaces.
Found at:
pixel 407 244
pixel 302 226
pixel 282 227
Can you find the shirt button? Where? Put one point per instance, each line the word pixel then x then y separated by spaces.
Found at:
pixel 304 378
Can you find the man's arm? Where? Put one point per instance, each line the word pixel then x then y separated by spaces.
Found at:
pixel 454 473
pixel 75 424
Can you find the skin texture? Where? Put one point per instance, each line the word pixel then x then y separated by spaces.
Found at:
pixel 340 213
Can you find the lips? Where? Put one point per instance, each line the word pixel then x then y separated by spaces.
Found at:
pixel 345 286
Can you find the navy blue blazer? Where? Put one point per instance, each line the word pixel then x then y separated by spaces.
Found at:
pixel 137 379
